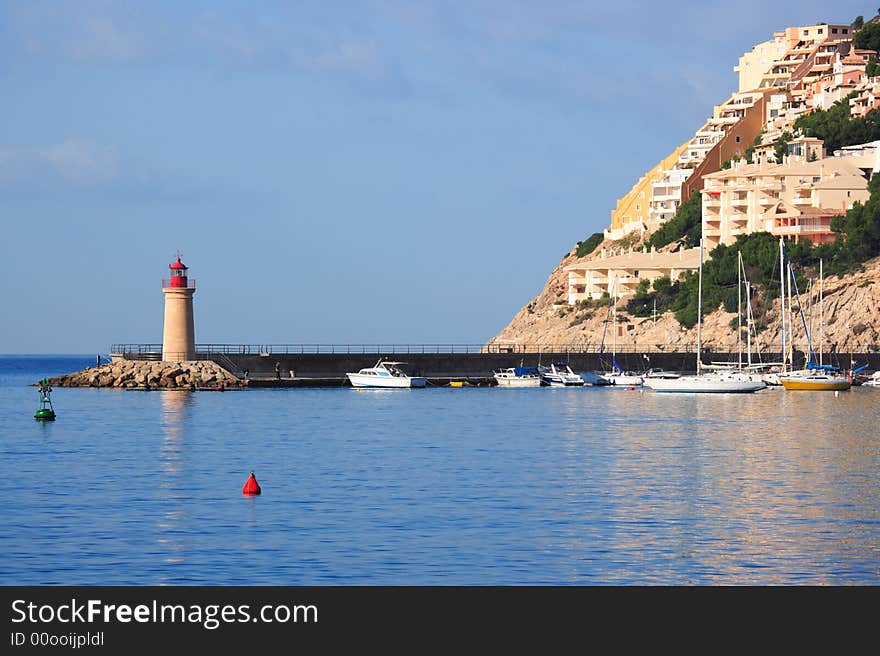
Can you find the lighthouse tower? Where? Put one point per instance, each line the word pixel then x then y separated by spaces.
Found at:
pixel 178 338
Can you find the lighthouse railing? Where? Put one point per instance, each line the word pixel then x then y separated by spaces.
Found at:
pixel 190 283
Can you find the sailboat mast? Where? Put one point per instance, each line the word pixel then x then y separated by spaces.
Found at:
pixel 788 316
pixel 749 321
pixel 821 313
pixel 782 300
pixel 739 310
pixel 810 309
pixel 614 328
pixel 700 309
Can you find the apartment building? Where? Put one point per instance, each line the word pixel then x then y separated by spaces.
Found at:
pixel 867 99
pixel 633 209
pixel 754 65
pixel 620 273
pixel 796 198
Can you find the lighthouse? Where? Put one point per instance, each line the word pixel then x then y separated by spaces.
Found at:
pixel 178 338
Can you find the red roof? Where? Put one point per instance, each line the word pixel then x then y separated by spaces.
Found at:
pixel 177 265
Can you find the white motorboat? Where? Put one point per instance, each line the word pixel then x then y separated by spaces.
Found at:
pixel 874 380
pixel 385 374
pixel 518 377
pixel 560 375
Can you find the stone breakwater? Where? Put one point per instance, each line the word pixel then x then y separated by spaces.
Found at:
pixel 158 375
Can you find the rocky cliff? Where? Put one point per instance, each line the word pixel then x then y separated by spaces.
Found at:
pixel 852 320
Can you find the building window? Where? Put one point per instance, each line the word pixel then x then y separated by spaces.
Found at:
pixel 821 31
pixel 834 30
pixel 638 208
pixel 846 30
pixel 738 138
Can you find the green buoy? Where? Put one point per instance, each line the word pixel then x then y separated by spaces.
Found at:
pixel 46 412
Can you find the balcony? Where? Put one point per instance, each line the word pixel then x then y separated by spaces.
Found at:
pixel 740 202
pixel 801 229
pixel 802 200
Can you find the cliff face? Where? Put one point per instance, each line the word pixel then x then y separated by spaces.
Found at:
pixel 852 320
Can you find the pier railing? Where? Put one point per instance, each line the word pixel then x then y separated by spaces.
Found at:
pixel 154 351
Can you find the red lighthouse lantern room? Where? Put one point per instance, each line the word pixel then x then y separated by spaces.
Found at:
pixel 178 274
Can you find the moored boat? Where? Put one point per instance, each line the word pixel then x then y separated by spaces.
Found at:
pixel 560 375
pixel 720 383
pixel 387 374
pixel 627 378
pixel 816 378
pixel 518 377
pixel 717 382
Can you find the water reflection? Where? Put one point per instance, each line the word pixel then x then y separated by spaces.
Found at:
pixel 712 489
pixel 176 414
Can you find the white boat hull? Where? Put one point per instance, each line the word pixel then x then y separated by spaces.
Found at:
pixel 397 382
pixel 518 382
pixel 563 381
pixel 624 379
pixel 705 385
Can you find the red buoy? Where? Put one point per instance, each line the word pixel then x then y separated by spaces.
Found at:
pixel 251 487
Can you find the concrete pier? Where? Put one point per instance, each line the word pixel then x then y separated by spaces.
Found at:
pixel 326 369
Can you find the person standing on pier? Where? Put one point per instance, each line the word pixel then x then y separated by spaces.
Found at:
pixel 277 371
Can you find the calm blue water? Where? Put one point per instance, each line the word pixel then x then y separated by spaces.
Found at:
pixel 437 486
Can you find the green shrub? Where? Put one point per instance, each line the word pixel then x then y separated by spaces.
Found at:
pixel 686 225
pixel 587 246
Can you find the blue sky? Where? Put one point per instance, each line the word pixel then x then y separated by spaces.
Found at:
pixel 387 171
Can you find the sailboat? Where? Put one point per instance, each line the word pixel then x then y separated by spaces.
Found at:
pixel 719 382
pixel 617 375
pixel 816 376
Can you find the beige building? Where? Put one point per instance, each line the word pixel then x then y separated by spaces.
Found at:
pixel 797 198
pixel 620 274
pixel 632 210
pixel 754 65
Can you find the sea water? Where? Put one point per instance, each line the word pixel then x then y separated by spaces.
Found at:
pixel 436 486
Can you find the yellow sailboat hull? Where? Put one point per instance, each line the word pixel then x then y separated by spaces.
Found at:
pixel 815 385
